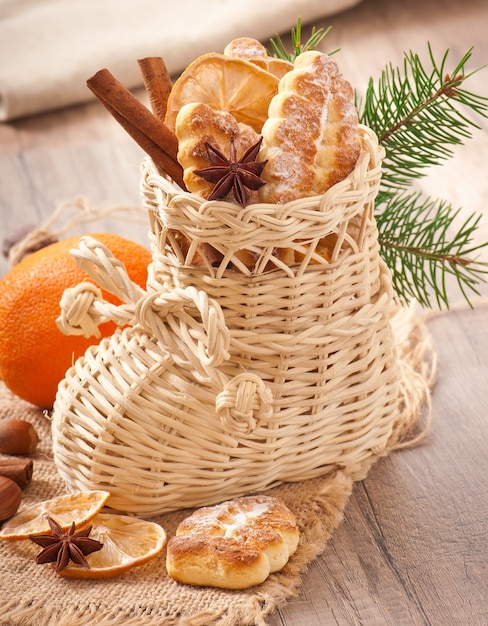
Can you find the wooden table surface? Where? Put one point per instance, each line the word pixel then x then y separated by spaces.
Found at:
pixel 413 547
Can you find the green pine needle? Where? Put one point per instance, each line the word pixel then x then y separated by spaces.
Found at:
pixel 419 115
pixel 279 49
pixel 423 247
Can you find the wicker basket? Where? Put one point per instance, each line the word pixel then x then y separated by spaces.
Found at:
pixel 229 379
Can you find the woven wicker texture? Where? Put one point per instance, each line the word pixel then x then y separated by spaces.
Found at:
pixel 233 378
pixel 30 595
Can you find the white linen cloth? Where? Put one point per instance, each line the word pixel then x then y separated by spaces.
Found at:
pixel 49 48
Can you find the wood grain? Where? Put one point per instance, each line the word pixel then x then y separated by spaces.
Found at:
pixel 413 548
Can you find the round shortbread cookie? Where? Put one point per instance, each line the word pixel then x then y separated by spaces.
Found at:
pixel 196 124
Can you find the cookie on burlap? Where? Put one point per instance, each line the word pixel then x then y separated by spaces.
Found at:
pixel 233 545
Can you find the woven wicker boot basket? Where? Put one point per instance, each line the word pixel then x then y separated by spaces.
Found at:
pixel 230 379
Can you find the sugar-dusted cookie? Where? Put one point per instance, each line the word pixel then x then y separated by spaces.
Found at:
pixel 233 545
pixel 197 124
pixel 245 48
pixel 311 136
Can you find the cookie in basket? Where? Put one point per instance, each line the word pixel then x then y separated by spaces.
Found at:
pixel 233 545
pixel 197 124
pixel 311 137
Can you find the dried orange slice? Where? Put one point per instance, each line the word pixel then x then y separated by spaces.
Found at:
pixel 277 67
pixel 79 507
pixel 254 52
pixel 127 543
pixel 227 84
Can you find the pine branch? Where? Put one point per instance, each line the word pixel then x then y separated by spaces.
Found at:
pixel 422 246
pixel 418 116
pixel 297 47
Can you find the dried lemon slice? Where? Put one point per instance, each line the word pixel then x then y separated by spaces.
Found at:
pixel 79 507
pixel 127 542
pixel 224 83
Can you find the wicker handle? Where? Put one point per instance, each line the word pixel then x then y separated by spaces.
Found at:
pixel 106 270
pixel 188 325
pixel 83 307
pixel 202 339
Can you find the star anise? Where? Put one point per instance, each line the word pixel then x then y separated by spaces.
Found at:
pixel 233 174
pixel 62 547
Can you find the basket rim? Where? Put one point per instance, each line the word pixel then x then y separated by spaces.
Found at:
pixel 203 220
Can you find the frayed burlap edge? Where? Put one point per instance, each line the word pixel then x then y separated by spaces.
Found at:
pixel 35 596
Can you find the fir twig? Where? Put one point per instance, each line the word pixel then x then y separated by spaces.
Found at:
pixel 423 246
pixel 279 48
pixel 418 116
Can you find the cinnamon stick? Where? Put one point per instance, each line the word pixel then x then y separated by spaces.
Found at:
pixel 157 82
pixel 17 469
pixel 149 133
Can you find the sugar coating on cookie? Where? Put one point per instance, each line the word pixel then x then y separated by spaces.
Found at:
pixel 311 137
pixel 245 48
pixel 197 123
pixel 233 545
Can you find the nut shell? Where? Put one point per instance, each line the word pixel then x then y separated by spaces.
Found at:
pixel 17 437
pixel 10 498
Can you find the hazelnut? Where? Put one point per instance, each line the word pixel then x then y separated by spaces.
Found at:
pixel 17 437
pixel 10 497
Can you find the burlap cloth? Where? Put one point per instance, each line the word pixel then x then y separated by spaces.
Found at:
pixel 33 595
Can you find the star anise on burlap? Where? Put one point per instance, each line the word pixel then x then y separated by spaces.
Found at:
pixel 233 174
pixel 62 547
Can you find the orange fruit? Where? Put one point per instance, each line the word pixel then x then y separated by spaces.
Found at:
pixel 79 507
pixel 34 353
pixel 127 542
pixel 225 83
